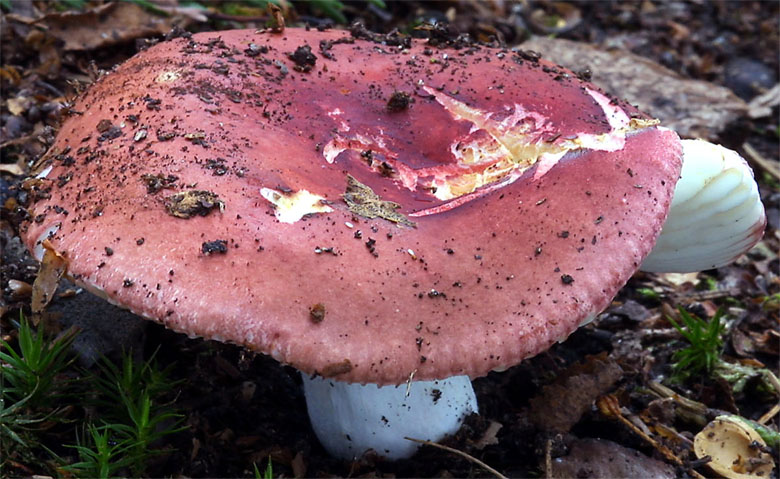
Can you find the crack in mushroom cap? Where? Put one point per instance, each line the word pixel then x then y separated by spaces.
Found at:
pixel 530 197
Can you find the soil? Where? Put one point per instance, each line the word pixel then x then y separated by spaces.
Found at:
pixel 240 407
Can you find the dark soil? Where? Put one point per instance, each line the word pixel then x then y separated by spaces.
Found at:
pixel 241 407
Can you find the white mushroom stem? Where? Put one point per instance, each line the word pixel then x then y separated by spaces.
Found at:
pixel 350 419
pixel 716 212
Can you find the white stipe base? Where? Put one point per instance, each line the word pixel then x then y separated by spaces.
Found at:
pixel 349 419
pixel 716 213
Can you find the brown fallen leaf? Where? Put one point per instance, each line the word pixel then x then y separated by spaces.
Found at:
pixel 692 108
pixel 561 404
pixel 735 449
pixel 298 465
pixel 107 25
pixel 53 266
pixel 10 73
pixel 490 436
pixel 49 56
pixel 601 458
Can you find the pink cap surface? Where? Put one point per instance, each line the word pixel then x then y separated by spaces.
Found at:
pixel 222 185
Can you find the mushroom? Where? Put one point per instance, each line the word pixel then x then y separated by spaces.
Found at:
pixel 351 418
pixel 389 216
pixel 716 212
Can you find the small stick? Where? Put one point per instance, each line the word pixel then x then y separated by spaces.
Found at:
pixel 409 383
pixel 766 165
pixel 769 415
pixel 460 453
pixel 705 295
pixel 771 379
pixel 664 391
pixel 548 459
pixel 610 407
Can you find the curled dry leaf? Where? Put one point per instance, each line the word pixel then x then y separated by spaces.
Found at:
pixel 735 449
pixel 600 458
pixel 560 405
pixel 692 108
pixel 490 436
pixel 107 25
pixel 53 266
pixel 747 343
pixel 298 464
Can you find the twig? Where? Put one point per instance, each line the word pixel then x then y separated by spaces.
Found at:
pixel 409 383
pixel 669 432
pixel 19 141
pixel 706 295
pixel 688 410
pixel 664 391
pixel 610 407
pixel 771 379
pixel 460 453
pixel 769 415
pixel 548 459
pixel 761 105
pixel 50 87
pixel 766 165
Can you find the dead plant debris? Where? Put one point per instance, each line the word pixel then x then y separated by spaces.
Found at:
pixel 362 201
pixel 721 57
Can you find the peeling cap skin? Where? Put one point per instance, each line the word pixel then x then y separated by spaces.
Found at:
pixel 354 209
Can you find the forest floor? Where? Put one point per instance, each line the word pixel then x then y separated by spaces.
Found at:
pixel 614 379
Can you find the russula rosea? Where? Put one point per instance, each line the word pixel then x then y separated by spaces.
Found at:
pixel 369 210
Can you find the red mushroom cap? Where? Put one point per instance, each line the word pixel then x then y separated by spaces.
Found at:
pixel 355 209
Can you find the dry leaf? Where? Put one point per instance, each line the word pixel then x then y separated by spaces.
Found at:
pixel 12 169
pixel 490 436
pixel 601 458
pixel 561 404
pixel 298 465
pixel 736 450
pixel 53 266
pixel 762 105
pixel 107 25
pixel 679 279
pixel 692 108
pixel 19 105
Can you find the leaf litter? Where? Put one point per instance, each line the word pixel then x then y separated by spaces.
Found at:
pixel 625 357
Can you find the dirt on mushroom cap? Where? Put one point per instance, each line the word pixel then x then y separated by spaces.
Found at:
pixel 498 154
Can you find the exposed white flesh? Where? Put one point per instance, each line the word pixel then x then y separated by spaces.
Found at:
pixel 349 419
pixel 716 213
